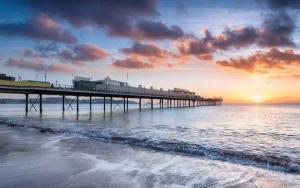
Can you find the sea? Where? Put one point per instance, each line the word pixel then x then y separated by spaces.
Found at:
pixel 200 147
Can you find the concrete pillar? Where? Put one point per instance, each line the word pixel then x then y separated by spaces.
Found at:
pixel 162 103
pixel 127 103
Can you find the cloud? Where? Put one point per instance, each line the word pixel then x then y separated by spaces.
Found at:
pixel 236 38
pixel 276 30
pixel 262 62
pixel 81 53
pixel 39 66
pixel 40 27
pixel 151 54
pixel 146 29
pixel 287 76
pixel 131 63
pixel 78 54
pixel 196 47
pixel 121 18
pixel 149 50
pixel 280 4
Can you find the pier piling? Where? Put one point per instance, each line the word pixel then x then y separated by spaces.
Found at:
pixel 111 101
pixel 77 103
pixel 104 104
pixel 124 104
pixel 140 103
pixel 63 103
pixel 26 102
pixel 90 103
pixel 41 103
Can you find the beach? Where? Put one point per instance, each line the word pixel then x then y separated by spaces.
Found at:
pixel 98 151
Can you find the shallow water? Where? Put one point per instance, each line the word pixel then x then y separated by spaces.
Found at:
pixel 218 146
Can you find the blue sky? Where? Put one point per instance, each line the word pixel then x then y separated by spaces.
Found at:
pixel 165 46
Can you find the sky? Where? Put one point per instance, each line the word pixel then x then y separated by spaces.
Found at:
pixel 243 51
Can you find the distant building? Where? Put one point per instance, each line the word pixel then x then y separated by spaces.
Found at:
pixel 5 77
pixel 107 81
pixel 183 91
pixel 83 83
pixel 107 84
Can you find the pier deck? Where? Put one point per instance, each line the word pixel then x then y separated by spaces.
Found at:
pixel 172 101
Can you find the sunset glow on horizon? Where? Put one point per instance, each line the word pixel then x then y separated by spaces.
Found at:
pixel 243 51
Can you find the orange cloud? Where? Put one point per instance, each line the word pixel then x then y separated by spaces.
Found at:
pixel 132 63
pixel 262 62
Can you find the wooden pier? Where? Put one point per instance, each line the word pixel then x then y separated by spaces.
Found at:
pixel 165 101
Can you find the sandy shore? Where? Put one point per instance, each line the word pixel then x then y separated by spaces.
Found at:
pixel 32 159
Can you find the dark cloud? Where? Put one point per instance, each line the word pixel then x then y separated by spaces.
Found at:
pixel 280 4
pixel 197 47
pixel 236 38
pixel 49 47
pixel 150 50
pixel 149 56
pixel 123 18
pixel 277 29
pixel 49 50
pixel 131 63
pixel 157 30
pixel 40 27
pixel 79 54
pixel 39 66
pixel 262 62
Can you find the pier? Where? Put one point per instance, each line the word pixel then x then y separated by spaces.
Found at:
pixel 165 99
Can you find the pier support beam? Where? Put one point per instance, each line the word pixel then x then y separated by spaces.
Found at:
pixel 140 103
pixel 26 102
pixel 77 103
pixel 41 103
pixel 104 103
pixel 124 104
pixel 151 103
pixel 111 101
pixel 90 103
pixel 63 103
pixel 127 104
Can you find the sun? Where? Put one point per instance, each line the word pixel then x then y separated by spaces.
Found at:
pixel 257 98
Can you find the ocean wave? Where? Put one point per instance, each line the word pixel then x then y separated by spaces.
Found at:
pixel 267 161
